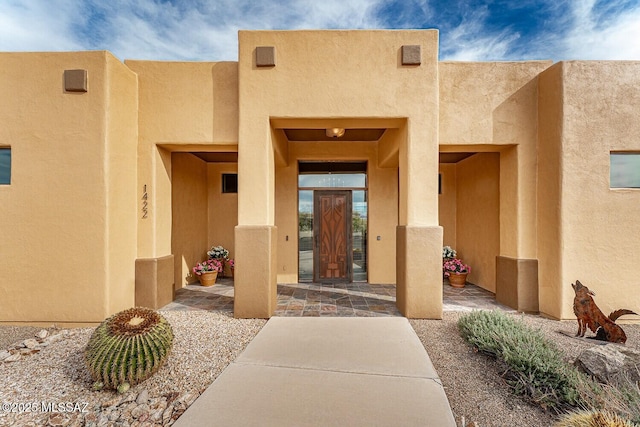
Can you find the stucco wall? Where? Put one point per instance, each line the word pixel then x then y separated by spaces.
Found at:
pixel 318 87
pixel 66 217
pixel 183 106
pixel 478 216
pixel 190 215
pixel 599 226
pixel 493 107
pixel 550 173
pixel 447 203
pixel 223 208
pixel 121 171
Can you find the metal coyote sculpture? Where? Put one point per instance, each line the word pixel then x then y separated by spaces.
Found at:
pixel 589 315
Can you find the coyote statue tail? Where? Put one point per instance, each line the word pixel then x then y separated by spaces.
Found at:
pixel 589 315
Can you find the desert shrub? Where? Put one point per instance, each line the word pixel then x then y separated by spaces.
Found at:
pixel 593 419
pixel 623 399
pixel 532 365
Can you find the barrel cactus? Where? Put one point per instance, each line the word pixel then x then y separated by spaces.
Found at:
pixel 128 348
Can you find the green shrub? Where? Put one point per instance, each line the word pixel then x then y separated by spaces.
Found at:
pixel 533 365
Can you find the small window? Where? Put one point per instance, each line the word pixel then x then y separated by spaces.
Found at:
pixel 625 170
pixel 229 182
pixel 5 166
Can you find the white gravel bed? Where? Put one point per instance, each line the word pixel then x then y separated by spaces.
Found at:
pixel 472 380
pixel 12 334
pixel 204 344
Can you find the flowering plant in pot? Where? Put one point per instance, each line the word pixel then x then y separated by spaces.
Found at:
pixel 207 266
pixel 207 271
pixel 455 266
pixel 456 271
pixel 448 252
pixel 218 252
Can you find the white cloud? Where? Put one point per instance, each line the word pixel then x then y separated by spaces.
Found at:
pixel 470 41
pixel 207 30
pixel 38 26
pixel 597 36
pixel 134 29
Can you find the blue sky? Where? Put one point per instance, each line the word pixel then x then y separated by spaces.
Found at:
pixel 482 30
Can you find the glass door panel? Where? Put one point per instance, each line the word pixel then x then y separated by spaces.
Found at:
pixel 359 235
pixel 305 235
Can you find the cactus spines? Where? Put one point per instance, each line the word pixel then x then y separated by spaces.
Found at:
pixel 128 348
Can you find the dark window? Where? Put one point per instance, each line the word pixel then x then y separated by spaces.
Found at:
pixel 5 166
pixel 229 182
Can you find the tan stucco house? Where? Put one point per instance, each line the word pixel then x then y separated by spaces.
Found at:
pixel 115 178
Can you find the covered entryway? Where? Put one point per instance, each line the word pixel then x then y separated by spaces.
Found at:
pixel 332 218
pixel 204 206
pixel 479 205
pixel 305 108
pixel 469 205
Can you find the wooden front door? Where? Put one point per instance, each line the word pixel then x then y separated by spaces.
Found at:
pixel 332 254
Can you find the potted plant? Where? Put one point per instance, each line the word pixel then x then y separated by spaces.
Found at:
pixel 207 271
pixel 448 253
pixel 219 253
pixel 456 271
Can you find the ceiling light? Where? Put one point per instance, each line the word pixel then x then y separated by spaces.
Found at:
pixel 335 132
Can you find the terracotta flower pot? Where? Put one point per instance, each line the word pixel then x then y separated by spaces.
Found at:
pixel 458 280
pixel 208 278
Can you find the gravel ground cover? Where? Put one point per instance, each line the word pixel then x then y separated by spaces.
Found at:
pixel 206 342
pixel 472 380
pixel 13 334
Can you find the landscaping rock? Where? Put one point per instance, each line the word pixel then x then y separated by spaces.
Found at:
pixel 30 343
pixel 143 397
pixel 13 358
pixel 610 363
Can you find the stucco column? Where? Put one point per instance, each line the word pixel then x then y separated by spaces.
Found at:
pixel 255 275
pixel 255 234
pixel 419 237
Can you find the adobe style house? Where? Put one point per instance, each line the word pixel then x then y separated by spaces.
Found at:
pixel 115 178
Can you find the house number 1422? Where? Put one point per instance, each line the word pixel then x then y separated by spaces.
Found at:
pixel 145 204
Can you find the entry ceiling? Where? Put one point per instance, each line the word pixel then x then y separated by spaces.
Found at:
pixel 320 135
pixel 217 157
pixel 454 157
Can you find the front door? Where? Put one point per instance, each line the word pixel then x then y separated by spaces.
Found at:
pixel 332 237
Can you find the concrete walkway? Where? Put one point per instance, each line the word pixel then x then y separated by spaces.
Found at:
pixel 331 371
